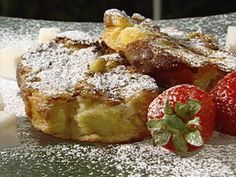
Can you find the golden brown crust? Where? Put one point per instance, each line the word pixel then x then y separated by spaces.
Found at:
pixel 171 64
pixel 107 106
pixel 120 29
pixel 21 73
pixel 41 111
pixel 171 59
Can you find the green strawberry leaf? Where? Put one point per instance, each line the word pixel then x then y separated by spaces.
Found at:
pixel 180 124
pixel 161 138
pixel 179 142
pixel 195 121
pixel 186 111
pixel 155 124
pixel 194 138
pixel 167 108
pixel 182 110
pixel 194 106
pixel 174 123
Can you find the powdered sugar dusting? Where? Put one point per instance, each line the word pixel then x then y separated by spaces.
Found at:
pixel 173 32
pixel 194 53
pixel 53 157
pixel 59 70
pixel 222 58
pixel 78 36
pixel 120 83
pixel 113 57
pixel 226 61
pixel 42 155
pixel 185 56
pixel 10 94
pixel 115 13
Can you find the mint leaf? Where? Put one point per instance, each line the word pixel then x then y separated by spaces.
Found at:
pixel 174 123
pixel 179 142
pixel 155 123
pixel 161 138
pixel 194 138
pixel 194 106
pixel 167 108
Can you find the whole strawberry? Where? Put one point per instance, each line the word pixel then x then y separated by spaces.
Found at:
pixel 181 118
pixel 224 96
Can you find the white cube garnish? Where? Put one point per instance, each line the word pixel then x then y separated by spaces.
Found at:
pixel 8 130
pixel 1 104
pixel 9 59
pixel 48 34
pixel 231 38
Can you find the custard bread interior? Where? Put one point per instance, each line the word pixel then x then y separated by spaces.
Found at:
pixel 77 89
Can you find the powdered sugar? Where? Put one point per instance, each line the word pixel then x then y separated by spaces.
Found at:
pixel 194 53
pixel 225 60
pixel 54 157
pixel 59 70
pixel 47 156
pixel 120 83
pixel 78 36
pixel 173 32
pixel 11 97
pixel 113 57
pixel 115 13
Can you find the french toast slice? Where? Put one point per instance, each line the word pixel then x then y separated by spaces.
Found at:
pixel 78 91
pixel 193 58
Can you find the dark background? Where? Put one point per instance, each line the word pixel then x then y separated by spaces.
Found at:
pixel 92 10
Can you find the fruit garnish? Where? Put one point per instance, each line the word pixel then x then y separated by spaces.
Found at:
pixel 98 65
pixel 224 96
pixel 180 124
pixel 181 118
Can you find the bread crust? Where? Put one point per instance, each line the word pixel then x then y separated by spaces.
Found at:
pixel 170 57
pixel 108 106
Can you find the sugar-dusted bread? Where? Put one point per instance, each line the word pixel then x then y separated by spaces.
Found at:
pixel 193 58
pixel 74 88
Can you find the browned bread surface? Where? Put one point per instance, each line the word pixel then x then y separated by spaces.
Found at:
pixel 193 58
pixel 77 91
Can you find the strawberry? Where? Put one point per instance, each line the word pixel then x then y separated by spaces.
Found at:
pixel 224 96
pixel 181 118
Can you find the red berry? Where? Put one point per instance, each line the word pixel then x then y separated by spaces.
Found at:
pixel 224 96
pixel 181 118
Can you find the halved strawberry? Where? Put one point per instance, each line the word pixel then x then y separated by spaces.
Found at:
pixel 224 96
pixel 182 118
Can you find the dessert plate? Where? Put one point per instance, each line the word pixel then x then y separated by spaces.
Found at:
pixel 42 155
